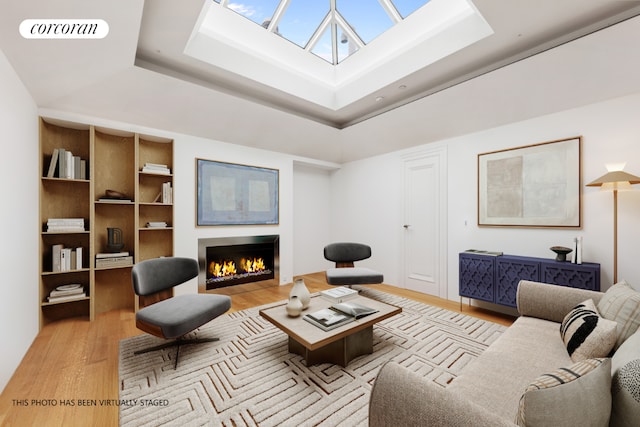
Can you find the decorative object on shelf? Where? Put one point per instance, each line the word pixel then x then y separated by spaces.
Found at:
pixel 615 180
pixel 229 193
pixel 577 250
pixel 294 307
pixel 561 252
pixel 114 239
pixel 113 194
pixel 514 185
pixel 300 290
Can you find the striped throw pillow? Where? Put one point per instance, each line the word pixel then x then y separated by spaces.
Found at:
pixel 586 334
pixel 573 396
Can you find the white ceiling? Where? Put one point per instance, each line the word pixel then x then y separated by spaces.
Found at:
pixel 138 74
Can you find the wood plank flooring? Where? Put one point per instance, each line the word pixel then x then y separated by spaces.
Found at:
pixel 70 374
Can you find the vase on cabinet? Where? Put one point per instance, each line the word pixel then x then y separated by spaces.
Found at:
pixel 300 290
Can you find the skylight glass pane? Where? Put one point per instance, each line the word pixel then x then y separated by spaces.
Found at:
pixel 323 47
pixel 346 46
pixel 258 11
pixel 407 7
pixel 301 19
pixel 367 17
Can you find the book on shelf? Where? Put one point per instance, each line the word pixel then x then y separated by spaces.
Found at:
pixel 156 168
pixel 112 200
pixel 165 195
pixel 339 294
pixel 67 293
pixel 64 164
pixel 157 224
pixel 65 225
pixel 54 162
pixel 66 259
pixel 112 262
pixel 338 314
pixel 112 254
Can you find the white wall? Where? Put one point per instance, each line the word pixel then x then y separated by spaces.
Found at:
pixel 367 208
pixel 367 203
pixel 19 216
pixel 311 217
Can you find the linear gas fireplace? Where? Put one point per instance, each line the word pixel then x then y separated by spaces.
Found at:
pixel 231 261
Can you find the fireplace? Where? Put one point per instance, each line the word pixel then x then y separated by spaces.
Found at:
pixel 232 261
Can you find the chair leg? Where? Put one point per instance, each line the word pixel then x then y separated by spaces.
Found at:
pixel 176 343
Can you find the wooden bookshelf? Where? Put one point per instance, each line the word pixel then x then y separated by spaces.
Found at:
pixel 114 161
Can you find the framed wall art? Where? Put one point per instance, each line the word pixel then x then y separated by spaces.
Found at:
pixel 532 186
pixel 234 194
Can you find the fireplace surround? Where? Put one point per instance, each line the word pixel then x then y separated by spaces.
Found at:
pixel 227 262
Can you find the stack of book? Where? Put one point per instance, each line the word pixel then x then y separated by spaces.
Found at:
pixel 65 259
pixel 156 224
pixel 65 165
pixel 61 225
pixel 67 293
pixel 339 294
pixel 156 168
pixel 111 260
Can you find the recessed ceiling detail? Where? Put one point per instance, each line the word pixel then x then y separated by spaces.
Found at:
pixel 300 47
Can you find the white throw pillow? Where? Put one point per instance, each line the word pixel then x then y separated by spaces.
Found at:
pixel 586 334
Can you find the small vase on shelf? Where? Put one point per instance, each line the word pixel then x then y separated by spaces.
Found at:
pixel 294 307
pixel 300 290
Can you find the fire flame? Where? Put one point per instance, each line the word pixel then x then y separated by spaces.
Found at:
pixel 228 268
pixel 253 265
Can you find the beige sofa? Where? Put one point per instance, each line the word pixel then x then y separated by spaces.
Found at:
pixel 488 391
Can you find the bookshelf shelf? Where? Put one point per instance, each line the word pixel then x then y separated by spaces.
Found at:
pixel 104 160
pixel 56 273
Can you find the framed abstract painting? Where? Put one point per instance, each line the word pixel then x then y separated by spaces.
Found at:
pixel 234 194
pixel 536 185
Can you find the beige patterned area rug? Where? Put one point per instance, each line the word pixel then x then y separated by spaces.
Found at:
pixel 248 378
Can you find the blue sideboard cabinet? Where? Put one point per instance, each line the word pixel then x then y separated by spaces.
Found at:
pixel 495 278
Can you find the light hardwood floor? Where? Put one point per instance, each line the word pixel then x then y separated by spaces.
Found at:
pixel 75 362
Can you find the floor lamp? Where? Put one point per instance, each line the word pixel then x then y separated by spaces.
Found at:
pixel 615 180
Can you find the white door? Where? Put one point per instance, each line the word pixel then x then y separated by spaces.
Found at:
pixel 425 225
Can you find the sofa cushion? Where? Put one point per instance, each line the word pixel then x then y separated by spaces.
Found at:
pixel 573 396
pixel 621 303
pixel 625 387
pixel 586 334
pixel 496 379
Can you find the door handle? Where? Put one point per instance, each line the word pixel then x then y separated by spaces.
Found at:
pixel 406 226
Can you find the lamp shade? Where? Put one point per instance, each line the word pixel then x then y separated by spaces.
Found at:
pixel 615 177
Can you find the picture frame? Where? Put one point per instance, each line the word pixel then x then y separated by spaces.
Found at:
pixel 236 194
pixel 536 185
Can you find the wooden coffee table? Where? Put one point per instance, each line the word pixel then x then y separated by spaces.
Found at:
pixel 338 346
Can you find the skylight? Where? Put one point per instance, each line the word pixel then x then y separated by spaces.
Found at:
pixel 296 46
pixel 330 29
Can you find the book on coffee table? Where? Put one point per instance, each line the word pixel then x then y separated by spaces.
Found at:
pixel 338 315
pixel 339 294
